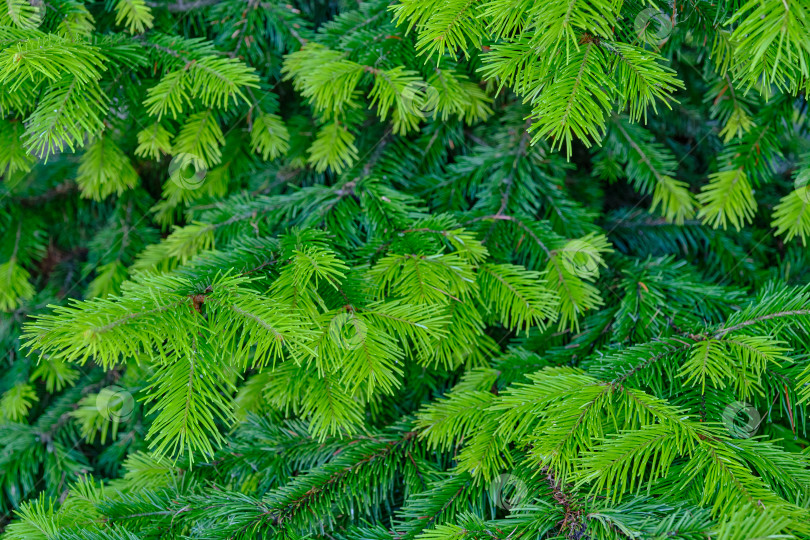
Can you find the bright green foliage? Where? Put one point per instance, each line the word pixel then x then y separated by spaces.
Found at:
pixel 399 270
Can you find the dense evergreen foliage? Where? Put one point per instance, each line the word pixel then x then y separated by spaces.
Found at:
pixel 434 269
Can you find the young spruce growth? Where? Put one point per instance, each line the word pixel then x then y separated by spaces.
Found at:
pixel 404 269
